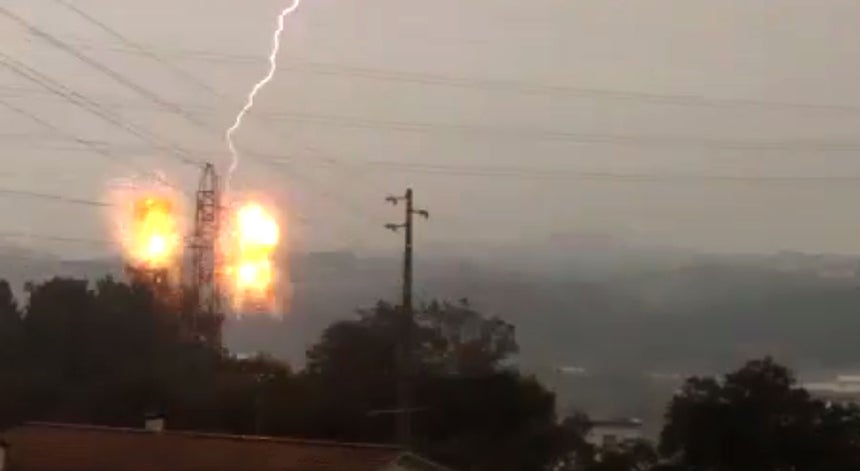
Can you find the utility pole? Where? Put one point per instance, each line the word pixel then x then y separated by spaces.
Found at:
pixel 404 350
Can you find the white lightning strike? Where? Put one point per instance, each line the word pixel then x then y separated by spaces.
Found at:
pixel 249 103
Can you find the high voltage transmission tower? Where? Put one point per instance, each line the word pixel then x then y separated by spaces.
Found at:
pixel 206 316
pixel 404 351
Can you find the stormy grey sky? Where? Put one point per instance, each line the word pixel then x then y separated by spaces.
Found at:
pixel 721 125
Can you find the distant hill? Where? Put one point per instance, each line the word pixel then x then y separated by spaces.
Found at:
pixel 643 310
pixel 598 305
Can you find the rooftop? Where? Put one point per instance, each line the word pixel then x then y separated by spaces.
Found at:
pixel 64 447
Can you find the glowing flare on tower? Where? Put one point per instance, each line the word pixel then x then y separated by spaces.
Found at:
pixel 152 240
pixel 252 272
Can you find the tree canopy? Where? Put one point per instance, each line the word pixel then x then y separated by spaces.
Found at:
pixel 108 353
pixel 759 418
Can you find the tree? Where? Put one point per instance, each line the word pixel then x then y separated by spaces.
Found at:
pixel 758 418
pixel 250 394
pixel 502 421
pixel 466 342
pixel 471 412
pixel 11 327
pixel 109 352
pixel 837 443
pixel 571 451
pixel 448 338
pixel 635 456
pixel 100 354
pixel 12 392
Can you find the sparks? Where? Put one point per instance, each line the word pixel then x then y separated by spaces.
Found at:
pixel 249 103
pixel 153 240
pixel 257 234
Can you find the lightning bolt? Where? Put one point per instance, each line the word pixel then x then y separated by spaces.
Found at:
pixel 249 103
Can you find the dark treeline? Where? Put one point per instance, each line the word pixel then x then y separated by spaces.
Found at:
pixel 109 354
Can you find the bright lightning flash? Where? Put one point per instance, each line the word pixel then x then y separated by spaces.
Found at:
pixel 154 240
pixel 249 103
pixel 252 270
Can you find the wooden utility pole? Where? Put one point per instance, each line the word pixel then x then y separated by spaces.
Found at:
pixel 404 349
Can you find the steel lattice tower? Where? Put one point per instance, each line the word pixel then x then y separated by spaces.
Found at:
pixel 206 316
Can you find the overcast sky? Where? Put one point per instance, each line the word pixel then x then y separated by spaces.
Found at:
pixel 720 125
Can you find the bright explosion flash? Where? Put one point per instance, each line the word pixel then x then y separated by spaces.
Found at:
pixel 253 273
pixel 153 239
pixel 249 103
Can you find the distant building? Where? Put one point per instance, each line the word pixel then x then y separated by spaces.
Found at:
pixel 845 390
pixel 822 265
pixel 610 434
pixel 60 447
pixel 571 370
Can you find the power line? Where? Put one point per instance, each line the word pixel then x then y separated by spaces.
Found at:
pixel 55 141
pixel 137 47
pixel 81 101
pixel 534 173
pixel 83 240
pixel 588 138
pixel 567 175
pixel 530 88
pixel 471 131
pixel 489 84
pixel 12 192
pixel 117 77
pixel 98 146
pixel 352 209
pixel 536 134
pixel 107 104
pixel 509 172
pixel 102 150
pixel 468 131
pixel 149 53
pixel 184 53
pixel 88 145
pixel 515 172
pixel 178 71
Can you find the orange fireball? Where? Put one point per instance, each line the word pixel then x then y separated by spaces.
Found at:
pixel 153 240
pixel 257 236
